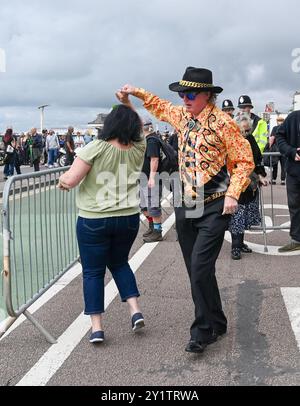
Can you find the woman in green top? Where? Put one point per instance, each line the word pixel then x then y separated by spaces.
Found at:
pixel 108 170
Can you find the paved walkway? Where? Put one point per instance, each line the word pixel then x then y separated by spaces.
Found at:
pixel 261 296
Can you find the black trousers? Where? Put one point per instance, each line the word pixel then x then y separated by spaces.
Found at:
pixel 283 169
pixel 237 240
pixel 36 165
pixel 293 192
pixel 201 241
pixel 69 159
pixel 18 163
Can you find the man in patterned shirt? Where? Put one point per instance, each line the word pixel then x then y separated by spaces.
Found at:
pixel 210 146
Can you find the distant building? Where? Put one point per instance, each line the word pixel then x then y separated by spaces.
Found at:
pixel 296 102
pixel 64 130
pixel 99 122
pixel 273 119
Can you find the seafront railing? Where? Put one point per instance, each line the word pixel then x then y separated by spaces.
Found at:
pixel 39 240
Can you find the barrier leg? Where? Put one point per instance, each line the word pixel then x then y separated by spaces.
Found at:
pixel 263 222
pixel 45 333
pixel 272 191
pixel 4 326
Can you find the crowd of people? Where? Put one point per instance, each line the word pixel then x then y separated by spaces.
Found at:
pixel 36 149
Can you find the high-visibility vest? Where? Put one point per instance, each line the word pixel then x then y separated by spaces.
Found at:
pixel 261 134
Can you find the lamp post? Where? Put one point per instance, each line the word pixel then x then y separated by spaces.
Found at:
pixel 42 108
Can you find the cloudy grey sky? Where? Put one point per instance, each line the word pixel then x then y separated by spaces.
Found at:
pixel 73 54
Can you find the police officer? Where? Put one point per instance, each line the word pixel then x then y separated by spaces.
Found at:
pixel 259 127
pixel 228 107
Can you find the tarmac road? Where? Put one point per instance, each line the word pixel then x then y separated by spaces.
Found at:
pixel 260 348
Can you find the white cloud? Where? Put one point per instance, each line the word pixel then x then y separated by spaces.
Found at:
pixel 2 61
pixel 255 74
pixel 74 54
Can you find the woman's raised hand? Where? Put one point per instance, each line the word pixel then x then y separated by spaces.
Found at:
pixel 122 97
pixel 128 89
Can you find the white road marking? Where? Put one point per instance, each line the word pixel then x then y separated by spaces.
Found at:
pixel 259 249
pixel 57 354
pixel 272 249
pixel 61 284
pixel 291 297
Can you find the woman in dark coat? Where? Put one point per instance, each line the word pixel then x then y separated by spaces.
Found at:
pixel 248 213
pixel 9 154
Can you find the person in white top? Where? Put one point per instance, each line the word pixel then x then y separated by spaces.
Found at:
pixel 52 147
pixel 79 140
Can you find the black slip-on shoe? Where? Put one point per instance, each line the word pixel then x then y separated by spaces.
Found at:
pixel 215 336
pixel 245 249
pixel 137 322
pixel 195 347
pixel 97 337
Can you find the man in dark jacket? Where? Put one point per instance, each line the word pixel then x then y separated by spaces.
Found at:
pixel 288 141
pixel 37 149
pixel 70 147
pixel 273 148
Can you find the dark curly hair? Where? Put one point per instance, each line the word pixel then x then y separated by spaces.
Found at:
pixel 122 124
pixel 9 132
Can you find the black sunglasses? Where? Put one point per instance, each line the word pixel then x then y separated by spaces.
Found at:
pixel 190 95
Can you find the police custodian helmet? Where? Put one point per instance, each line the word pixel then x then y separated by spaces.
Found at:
pixel 227 105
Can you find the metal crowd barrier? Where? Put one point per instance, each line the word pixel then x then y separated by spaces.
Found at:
pixel 39 240
pixel 264 228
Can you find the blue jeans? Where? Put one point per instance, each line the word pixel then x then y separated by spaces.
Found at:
pixel 9 169
pixel 106 243
pixel 52 156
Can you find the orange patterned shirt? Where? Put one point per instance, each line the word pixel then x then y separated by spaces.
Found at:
pixel 210 146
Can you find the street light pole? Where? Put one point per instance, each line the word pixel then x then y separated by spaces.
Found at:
pixel 42 108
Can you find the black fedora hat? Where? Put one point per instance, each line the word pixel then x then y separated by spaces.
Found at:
pixel 245 101
pixel 196 79
pixel 227 105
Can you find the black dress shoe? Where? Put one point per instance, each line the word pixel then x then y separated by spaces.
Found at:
pixel 246 249
pixel 236 254
pixel 216 335
pixel 195 347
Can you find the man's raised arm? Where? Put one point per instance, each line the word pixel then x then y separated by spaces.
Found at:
pixel 163 110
